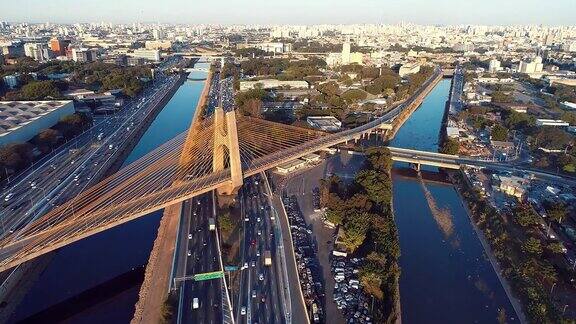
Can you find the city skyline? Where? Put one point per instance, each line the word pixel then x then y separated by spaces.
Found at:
pixel 441 12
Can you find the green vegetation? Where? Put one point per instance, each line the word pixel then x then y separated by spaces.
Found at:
pixel 363 209
pixel 96 76
pixel 450 146
pixel 283 69
pixel 499 133
pixel 249 102
pixel 40 90
pixel 501 97
pixel 415 81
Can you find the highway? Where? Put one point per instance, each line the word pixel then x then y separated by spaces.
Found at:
pixel 261 298
pixel 72 167
pixel 200 253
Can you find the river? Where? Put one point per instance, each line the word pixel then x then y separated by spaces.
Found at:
pixel 446 277
pixel 99 258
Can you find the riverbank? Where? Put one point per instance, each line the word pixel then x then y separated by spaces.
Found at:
pixel 516 304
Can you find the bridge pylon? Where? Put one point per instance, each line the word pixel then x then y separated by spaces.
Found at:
pixel 227 150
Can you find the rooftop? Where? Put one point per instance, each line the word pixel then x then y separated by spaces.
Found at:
pixel 15 114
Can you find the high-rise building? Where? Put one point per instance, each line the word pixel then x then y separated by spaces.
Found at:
pixel 58 46
pixel 158 34
pixel 534 66
pixel 494 66
pixel 83 55
pixel 346 53
pixel 38 51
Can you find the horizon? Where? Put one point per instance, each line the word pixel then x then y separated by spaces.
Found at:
pixel 300 12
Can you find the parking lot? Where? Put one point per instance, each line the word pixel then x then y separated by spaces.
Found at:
pixel 309 270
pixel 349 297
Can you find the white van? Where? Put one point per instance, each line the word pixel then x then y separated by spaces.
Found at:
pixel 195 303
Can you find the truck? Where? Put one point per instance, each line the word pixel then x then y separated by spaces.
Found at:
pixel 211 224
pixel 267 258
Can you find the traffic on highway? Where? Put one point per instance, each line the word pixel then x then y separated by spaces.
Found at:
pixel 77 164
pixel 261 297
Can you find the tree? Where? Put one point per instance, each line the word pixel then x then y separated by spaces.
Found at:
pixel 499 133
pixel 532 245
pixel 40 90
pixel 557 211
pixel 16 156
pixel 353 96
pixel 48 138
pixel 379 158
pixel 501 97
pixel 450 146
pixel 555 247
pixel 376 184
pixel 525 216
pixel 252 107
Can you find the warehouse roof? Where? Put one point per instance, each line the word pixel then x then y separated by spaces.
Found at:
pixel 15 114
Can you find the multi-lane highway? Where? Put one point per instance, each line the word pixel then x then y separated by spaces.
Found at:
pixel 200 252
pixel 261 297
pixel 72 168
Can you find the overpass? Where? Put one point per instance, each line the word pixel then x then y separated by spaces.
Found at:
pixel 217 153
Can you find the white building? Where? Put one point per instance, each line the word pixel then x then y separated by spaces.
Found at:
pixel 494 66
pixel 150 55
pixel 38 51
pixel 345 53
pixel 409 68
pixel 158 34
pixel 569 46
pixel 551 122
pixel 534 66
pixel 83 55
pixel 22 120
pixel 275 47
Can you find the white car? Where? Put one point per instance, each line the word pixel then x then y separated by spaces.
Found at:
pixel 253 293
pixel 189 236
pixel 261 277
pixel 243 310
pixel 189 253
pixel 195 303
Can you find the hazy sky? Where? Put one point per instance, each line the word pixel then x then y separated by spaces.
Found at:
pixel 505 12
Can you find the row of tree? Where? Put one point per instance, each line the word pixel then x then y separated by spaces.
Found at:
pixel 523 256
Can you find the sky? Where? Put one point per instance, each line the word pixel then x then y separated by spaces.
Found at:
pixel 428 12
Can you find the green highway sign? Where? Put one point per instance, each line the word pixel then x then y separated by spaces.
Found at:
pixel 208 275
pixel 230 268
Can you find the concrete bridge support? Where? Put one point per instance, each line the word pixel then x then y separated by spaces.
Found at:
pixel 227 150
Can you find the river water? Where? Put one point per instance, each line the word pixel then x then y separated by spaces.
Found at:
pixel 446 277
pixel 99 258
